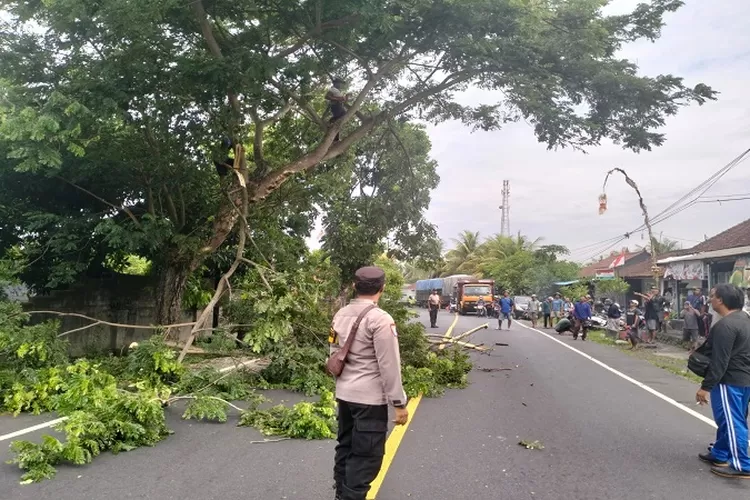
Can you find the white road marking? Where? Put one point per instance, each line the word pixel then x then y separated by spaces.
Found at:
pixel 56 421
pixel 33 428
pixel 633 381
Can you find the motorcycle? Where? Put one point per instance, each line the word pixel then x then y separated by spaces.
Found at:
pixel 481 311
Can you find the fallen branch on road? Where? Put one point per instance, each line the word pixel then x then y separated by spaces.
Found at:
pixel 270 440
pixel 443 341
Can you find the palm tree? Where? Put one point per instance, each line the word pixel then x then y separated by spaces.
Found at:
pixel 456 259
pixel 496 249
pixel 664 245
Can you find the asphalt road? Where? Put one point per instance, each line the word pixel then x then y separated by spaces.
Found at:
pixel 603 437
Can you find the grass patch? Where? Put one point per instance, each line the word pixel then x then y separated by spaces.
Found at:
pixel 672 365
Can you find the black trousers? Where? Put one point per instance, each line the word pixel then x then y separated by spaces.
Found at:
pixel 359 454
pixel 433 316
pixel 547 321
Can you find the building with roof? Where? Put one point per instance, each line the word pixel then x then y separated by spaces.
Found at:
pixel 724 258
pixel 605 267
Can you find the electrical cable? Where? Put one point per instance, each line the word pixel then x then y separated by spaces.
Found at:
pixel 676 207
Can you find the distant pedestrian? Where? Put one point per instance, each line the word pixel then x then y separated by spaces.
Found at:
pixel 652 313
pixel 633 318
pixel 690 318
pixel 727 381
pixel 614 313
pixel 697 299
pixel 547 312
pixel 567 307
pixel 705 321
pixel 433 302
pixel 582 315
pixel 533 309
pixel 370 380
pixel 506 310
pixel 557 308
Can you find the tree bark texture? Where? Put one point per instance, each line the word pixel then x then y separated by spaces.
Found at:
pixel 170 291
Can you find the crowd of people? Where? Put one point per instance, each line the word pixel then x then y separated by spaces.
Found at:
pixel 370 376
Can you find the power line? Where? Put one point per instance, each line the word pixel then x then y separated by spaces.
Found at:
pixel 720 200
pixel 689 199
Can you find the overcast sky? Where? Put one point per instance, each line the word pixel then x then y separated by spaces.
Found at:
pixel 554 194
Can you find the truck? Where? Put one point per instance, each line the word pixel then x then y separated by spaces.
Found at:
pixel 464 288
pixel 469 291
pixel 424 288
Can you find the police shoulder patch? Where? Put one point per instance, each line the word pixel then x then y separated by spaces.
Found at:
pixel 393 330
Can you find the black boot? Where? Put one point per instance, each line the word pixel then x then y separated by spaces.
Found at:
pixel 350 494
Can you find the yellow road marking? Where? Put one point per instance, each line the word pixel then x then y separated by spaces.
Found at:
pixel 391 446
pixel 397 434
pixel 449 332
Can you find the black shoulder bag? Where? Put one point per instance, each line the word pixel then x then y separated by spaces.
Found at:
pixel 700 359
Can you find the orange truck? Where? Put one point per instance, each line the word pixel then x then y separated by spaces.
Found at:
pixel 469 291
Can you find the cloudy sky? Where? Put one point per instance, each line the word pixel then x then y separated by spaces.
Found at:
pixel 554 194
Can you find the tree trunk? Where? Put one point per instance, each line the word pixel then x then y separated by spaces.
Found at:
pixel 170 290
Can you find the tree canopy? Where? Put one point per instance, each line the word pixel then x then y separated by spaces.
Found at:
pixel 517 264
pixel 113 112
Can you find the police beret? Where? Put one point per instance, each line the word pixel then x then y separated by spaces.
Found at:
pixel 370 274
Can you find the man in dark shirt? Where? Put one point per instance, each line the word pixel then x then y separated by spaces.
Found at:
pixel 582 315
pixel 652 309
pixel 728 383
pixel 632 321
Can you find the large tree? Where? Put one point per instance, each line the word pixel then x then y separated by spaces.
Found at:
pixel 111 111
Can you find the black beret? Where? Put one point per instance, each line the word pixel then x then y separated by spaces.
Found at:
pixel 370 274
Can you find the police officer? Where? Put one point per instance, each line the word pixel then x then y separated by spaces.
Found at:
pixel 370 380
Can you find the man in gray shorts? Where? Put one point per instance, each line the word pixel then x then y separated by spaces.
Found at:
pixel 690 330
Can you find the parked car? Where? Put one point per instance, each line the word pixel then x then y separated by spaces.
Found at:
pixel 522 304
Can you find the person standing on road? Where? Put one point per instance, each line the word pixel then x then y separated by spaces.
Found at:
pixel 567 307
pixel 613 318
pixel 697 300
pixel 704 322
pixel 690 317
pixel 547 312
pixel 506 310
pixel 632 322
pixel 533 310
pixel 652 313
pixel 371 378
pixel 557 309
pixel 433 302
pixel 582 315
pixel 727 381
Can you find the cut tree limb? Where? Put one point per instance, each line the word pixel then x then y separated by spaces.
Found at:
pixel 241 212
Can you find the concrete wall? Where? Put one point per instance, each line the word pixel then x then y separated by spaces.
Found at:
pixel 117 299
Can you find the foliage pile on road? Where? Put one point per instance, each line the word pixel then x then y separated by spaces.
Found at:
pixel 118 404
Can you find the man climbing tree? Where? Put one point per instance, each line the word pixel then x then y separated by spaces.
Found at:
pixel 336 98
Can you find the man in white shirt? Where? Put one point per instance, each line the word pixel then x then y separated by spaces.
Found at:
pixel 433 302
pixel 336 99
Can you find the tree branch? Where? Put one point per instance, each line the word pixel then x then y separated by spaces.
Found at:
pixel 361 60
pixel 260 126
pixel 208 311
pixel 171 208
pixel 123 207
pixel 305 106
pixel 213 46
pixel 102 322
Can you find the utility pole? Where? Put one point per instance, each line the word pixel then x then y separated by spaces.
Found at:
pixel 647 221
pixel 505 209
